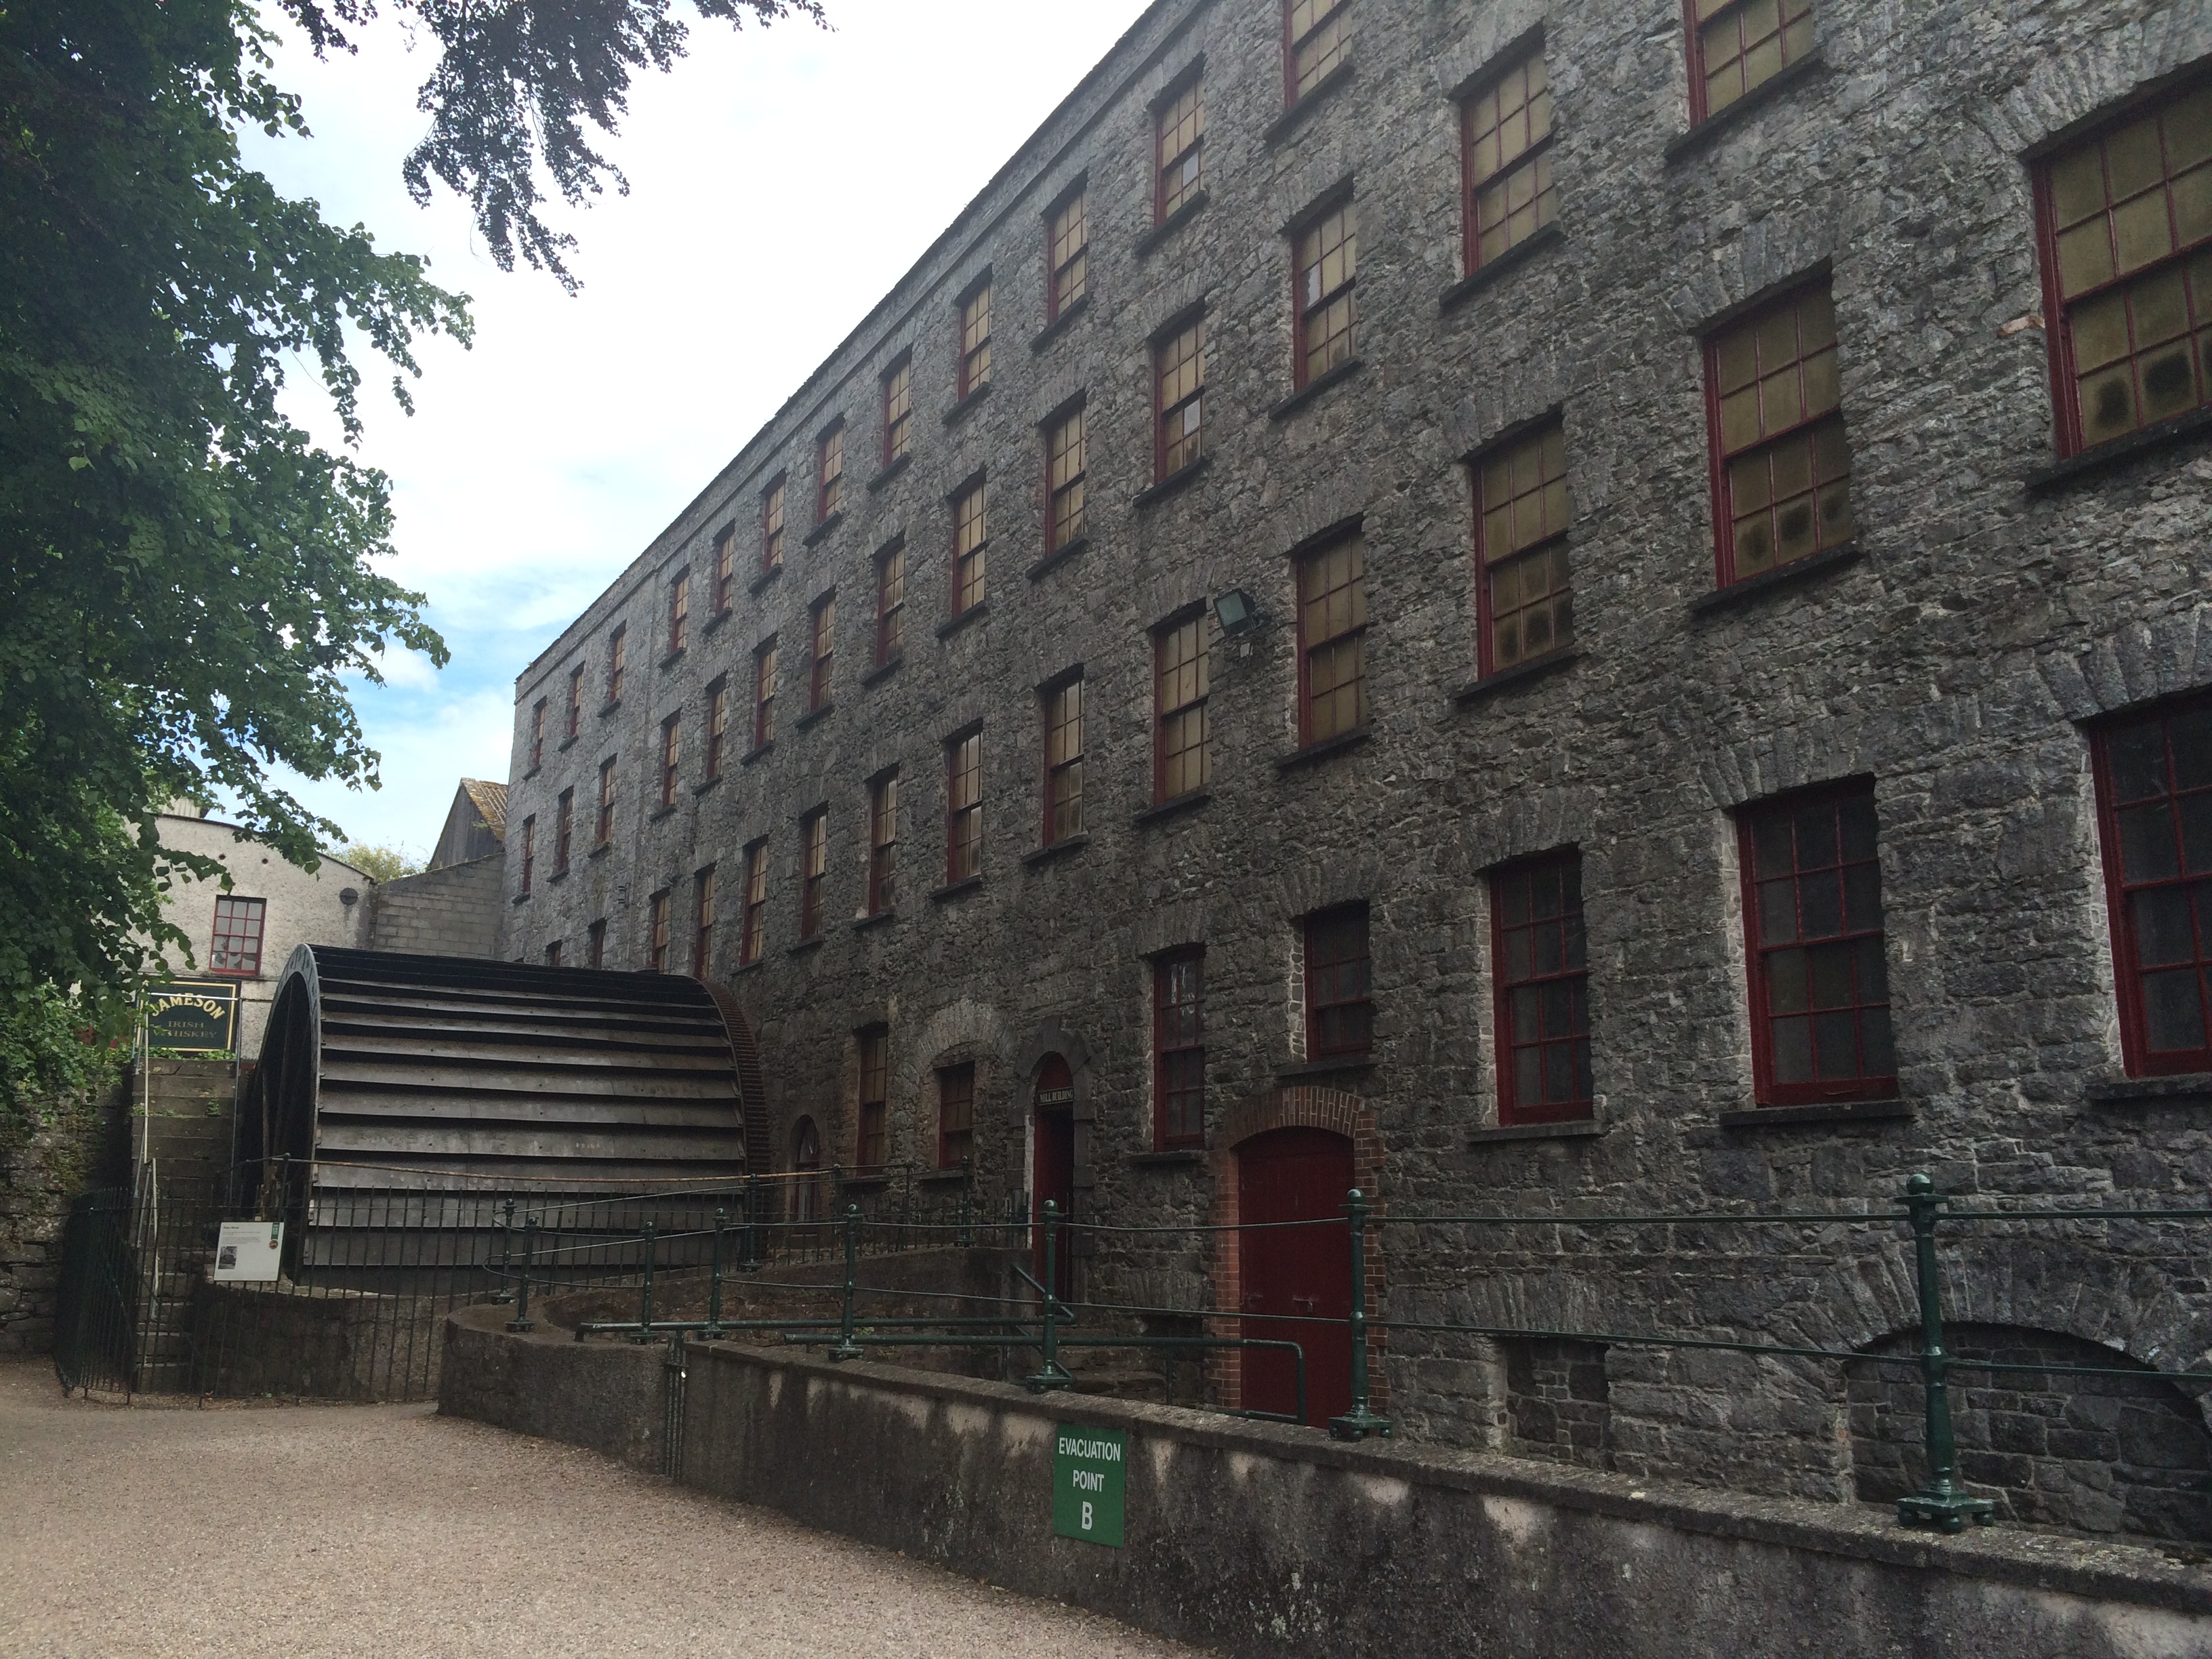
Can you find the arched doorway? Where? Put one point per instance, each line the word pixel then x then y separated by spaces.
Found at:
pixel 1298 1277
pixel 1053 1165
pixel 806 1170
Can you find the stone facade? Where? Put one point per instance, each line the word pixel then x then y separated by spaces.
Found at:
pixel 1984 613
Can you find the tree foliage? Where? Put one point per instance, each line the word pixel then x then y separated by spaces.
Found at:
pixel 380 863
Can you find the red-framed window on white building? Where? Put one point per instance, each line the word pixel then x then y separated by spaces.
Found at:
pixel 236 944
pixel 1540 973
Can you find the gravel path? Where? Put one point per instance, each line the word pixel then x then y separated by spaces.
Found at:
pixel 302 1532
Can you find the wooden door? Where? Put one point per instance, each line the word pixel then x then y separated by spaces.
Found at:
pixel 1301 1276
pixel 1054 1167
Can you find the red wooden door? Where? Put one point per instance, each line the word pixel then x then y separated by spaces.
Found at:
pixel 1301 1275
pixel 1054 1171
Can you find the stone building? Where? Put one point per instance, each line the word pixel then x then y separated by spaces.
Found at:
pixel 1527 605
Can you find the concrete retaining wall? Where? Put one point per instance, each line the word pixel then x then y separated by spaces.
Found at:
pixel 1266 1540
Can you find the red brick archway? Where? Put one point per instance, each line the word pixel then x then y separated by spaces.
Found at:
pixel 1340 1113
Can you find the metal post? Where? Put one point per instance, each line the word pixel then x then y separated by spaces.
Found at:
pixel 521 1320
pixel 506 1239
pixel 847 1348
pixel 967 1181
pixel 713 1331
pixel 753 1261
pixel 644 1296
pixel 1359 1422
pixel 1051 1373
pixel 1942 1503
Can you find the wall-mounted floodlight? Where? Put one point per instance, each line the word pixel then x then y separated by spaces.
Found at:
pixel 1236 612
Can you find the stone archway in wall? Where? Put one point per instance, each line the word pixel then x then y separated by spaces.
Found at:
pixel 1334 1112
pixel 1052 1075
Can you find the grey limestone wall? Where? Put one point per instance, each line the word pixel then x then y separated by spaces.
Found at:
pixel 71 1145
pixel 449 912
pixel 1952 661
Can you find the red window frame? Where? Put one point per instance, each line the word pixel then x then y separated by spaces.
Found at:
pixel 1066 465
pixel 603 827
pixel 975 342
pixel 1182 677
pixel 1063 760
pixel 618 660
pixel 1067 253
pixel 575 702
pixel 1327 28
pixel 872 1121
pixel 725 570
pixel 891 601
pixel 829 474
pixel 1179 1049
pixel 529 853
pixel 1178 174
pixel 1333 625
pixel 1539 974
pixel 595 945
pixel 702 930
pixel 1522 518
pixel 955 1115
pixel 772 516
pixel 2154 776
pixel 538 734
pixel 679 612
pixel 971 541
pixel 718 724
pixel 564 830
pixel 1513 106
pixel 813 872
pixel 1324 277
pixel 883 842
pixel 821 632
pixel 752 928
pixel 964 806
pixel 764 694
pixel 1794 40
pixel 1339 983
pixel 234 946
pixel 657 948
pixel 2116 292
pixel 1178 398
pixel 672 750
pixel 898 409
pixel 1813 927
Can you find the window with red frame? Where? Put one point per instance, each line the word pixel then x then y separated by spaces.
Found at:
pixel 679 612
pixel 1316 39
pixel 553 953
pixel 970 538
pixel 602 829
pixel 1179 362
pixel 814 871
pixel 1540 974
pixel 702 930
pixel 1525 602
pixel 963 807
pixel 726 571
pixel 955 1115
pixel 1332 641
pixel 1739 44
pixel 1340 1009
pixel 671 749
pixel 1179 141
pixel 1819 983
pixel 538 734
pixel 564 830
pixel 1067 255
pixel 595 945
pixel 1507 129
pixel 575 702
pixel 822 633
pixel 1066 461
pixel 529 854
pixel 871 1141
pixel 718 725
pixel 752 929
pixel 829 474
pixel 1181 679
pixel 657 952
pixel 1063 761
pixel 1327 265
pixel 1782 467
pixel 883 844
pixel 772 528
pixel 617 662
pixel 1179 1050
pixel 2154 800
pixel 891 601
pixel 976 341
pixel 898 411
pixel 2126 221
pixel 764 694
pixel 236 948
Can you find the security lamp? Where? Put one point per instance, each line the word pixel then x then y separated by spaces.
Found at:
pixel 1236 612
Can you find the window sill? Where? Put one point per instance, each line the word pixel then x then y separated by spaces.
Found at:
pixel 874 919
pixel 611 706
pixel 670 658
pixel 719 619
pixel 891 470
pixel 952 625
pixel 531 772
pixel 660 812
pixel 521 899
pixel 821 531
pixel 1306 1071
pixel 961 411
pixel 1169 1158
pixel 1188 802
pixel 1057 558
pixel 813 715
pixel 1833 1111
pixel 753 967
pixel 1174 222
pixel 1046 855
pixel 1058 326
pixel 1314 388
pixel 953 889
pixel 1315 753
pixel 1580 1128
pixel 1504 266
pixel 758 586
pixel 751 755
pixel 1295 117
pixel 1521 674
pixel 1750 588
pixel 939 1177
pixel 599 852
pixel 700 788
pixel 557 877
pixel 564 745
pixel 883 671
pixel 804 946
pixel 2118 452
pixel 2181 1089
pixel 1174 484
pixel 1758 98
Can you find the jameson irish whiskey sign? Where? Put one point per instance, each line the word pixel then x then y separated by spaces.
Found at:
pixel 194 1016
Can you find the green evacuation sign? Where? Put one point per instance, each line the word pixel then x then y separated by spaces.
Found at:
pixel 1087 1469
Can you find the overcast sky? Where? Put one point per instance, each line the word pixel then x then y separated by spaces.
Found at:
pixel 780 181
